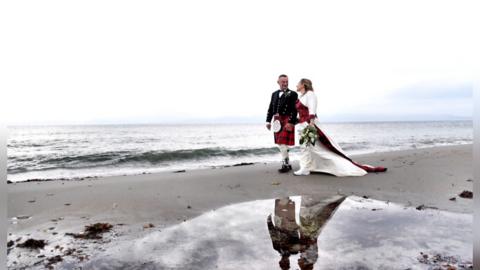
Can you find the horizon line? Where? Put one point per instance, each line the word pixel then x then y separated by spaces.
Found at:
pixel 228 123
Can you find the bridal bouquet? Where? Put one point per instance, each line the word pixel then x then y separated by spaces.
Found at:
pixel 309 136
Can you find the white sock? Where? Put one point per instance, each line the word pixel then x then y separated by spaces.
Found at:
pixel 284 152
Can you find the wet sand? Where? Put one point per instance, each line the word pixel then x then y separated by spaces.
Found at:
pixel 429 177
pixel 426 176
pixel 313 233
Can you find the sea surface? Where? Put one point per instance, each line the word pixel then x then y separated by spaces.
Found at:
pixel 68 152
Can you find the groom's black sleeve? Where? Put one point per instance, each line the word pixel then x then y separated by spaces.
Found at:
pixel 270 109
pixel 293 112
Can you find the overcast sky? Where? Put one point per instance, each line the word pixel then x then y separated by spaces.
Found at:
pixel 117 61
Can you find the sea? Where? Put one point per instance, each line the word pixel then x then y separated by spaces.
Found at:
pixel 76 152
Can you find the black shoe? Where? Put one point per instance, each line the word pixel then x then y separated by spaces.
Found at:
pixel 285 168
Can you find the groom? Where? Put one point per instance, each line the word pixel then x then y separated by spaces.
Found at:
pixel 282 107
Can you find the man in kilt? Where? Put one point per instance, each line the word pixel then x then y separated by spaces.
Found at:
pixel 282 108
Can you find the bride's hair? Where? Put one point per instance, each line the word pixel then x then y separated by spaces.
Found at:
pixel 307 83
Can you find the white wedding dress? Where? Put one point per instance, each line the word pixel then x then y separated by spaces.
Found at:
pixel 319 158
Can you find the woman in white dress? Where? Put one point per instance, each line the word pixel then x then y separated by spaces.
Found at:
pixel 325 155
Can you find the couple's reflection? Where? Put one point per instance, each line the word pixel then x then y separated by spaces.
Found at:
pixel 290 237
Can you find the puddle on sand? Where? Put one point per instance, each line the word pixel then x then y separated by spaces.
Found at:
pixel 301 232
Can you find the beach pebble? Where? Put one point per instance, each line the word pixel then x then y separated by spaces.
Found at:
pixel 420 207
pixel 466 194
pixel 149 225
pixel 423 207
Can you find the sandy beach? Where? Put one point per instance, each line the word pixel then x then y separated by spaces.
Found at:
pixel 429 177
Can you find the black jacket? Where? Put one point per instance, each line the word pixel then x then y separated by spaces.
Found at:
pixel 284 105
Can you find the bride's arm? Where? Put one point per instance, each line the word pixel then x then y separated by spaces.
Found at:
pixel 312 107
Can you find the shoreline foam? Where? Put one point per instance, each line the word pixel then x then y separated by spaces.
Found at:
pixel 186 168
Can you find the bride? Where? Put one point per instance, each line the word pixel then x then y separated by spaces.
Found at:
pixel 325 155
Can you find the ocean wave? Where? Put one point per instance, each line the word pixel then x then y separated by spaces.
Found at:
pixel 194 154
pixel 88 158
pixel 119 158
pixel 70 151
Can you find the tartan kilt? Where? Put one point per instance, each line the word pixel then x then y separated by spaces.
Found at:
pixel 284 136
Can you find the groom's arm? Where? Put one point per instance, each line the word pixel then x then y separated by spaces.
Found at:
pixel 270 109
pixel 293 114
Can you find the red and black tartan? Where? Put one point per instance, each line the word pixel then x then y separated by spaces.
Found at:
pixel 305 116
pixel 284 136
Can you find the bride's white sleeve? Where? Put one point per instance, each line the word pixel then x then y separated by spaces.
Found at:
pixel 312 105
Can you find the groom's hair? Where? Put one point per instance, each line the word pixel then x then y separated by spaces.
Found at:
pixel 282 75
